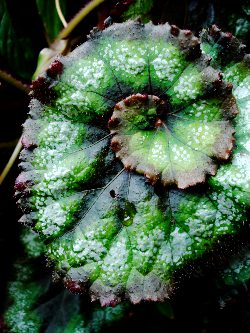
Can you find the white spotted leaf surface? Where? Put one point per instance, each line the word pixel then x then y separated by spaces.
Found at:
pixel 135 161
pixel 35 305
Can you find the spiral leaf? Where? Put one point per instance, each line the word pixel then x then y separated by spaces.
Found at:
pixel 120 133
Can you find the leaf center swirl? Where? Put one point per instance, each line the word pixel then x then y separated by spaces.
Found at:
pixel 151 139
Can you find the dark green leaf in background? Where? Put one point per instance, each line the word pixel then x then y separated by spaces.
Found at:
pixel 139 9
pixel 51 21
pixel 20 38
pixel 238 270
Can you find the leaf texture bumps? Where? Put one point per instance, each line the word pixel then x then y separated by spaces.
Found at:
pixel 109 228
pixel 35 306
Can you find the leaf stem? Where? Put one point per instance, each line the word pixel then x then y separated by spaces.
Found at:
pixel 60 14
pixel 14 82
pixel 78 18
pixel 11 161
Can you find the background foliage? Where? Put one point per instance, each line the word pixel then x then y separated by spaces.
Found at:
pixel 211 300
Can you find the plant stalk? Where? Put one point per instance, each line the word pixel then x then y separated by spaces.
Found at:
pixel 78 18
pixel 14 82
pixel 60 14
pixel 11 161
